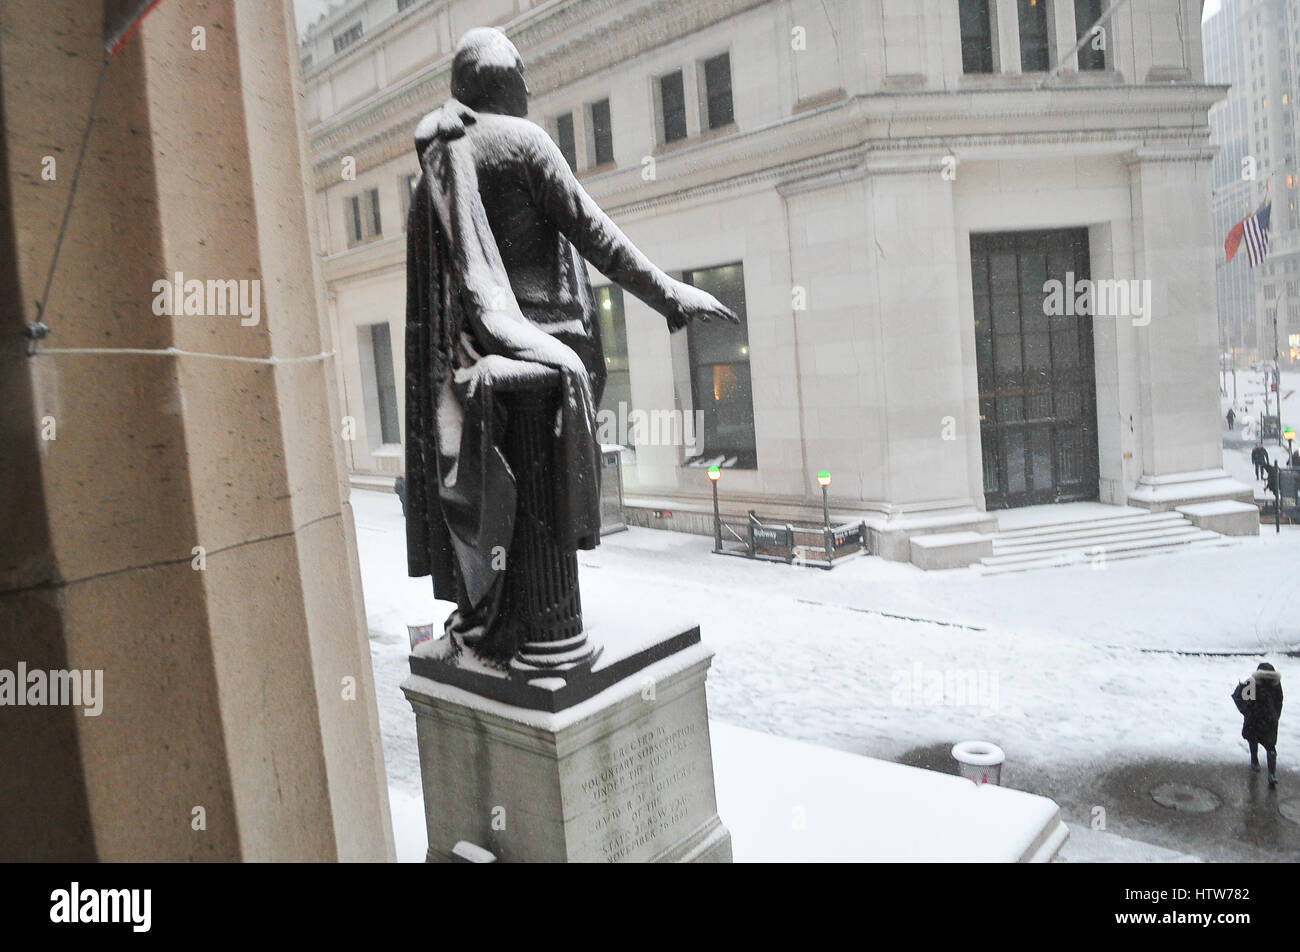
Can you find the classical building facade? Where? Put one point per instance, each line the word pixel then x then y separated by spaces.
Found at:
pixel 886 191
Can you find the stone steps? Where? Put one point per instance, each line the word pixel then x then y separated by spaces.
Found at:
pixel 1093 539
pixel 1098 524
pixel 1106 539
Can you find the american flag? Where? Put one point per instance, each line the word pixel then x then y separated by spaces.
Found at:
pixel 1253 229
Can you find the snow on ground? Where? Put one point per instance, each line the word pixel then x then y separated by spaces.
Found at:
pixel 1069 669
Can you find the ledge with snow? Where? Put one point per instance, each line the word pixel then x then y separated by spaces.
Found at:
pixel 789 801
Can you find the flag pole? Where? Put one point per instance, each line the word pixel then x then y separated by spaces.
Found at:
pixel 1277 369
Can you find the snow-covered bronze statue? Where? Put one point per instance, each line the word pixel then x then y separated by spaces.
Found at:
pixel 504 365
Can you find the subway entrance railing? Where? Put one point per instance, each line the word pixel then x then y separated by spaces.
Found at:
pixel 822 546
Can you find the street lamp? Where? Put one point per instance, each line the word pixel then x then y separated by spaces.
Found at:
pixel 1289 435
pixel 824 481
pixel 828 537
pixel 714 475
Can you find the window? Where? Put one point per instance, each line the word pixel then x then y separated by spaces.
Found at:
pixel 602 134
pixel 717 86
pixel 672 104
pixel 564 139
pixel 406 188
pixel 613 338
pixel 381 391
pixel 1086 13
pixel 720 381
pixel 345 39
pixel 1034 54
pixel 363 216
pixel 976 37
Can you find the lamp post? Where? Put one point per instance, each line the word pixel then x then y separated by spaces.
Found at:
pixel 824 481
pixel 1289 435
pixel 714 475
pixel 828 537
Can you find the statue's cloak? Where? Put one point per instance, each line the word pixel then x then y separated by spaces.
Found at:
pixel 468 343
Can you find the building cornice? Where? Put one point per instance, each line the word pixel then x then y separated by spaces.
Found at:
pixel 562 42
pixel 933 125
pixel 908 119
pixel 1191 152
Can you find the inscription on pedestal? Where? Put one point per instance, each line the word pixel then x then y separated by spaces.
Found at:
pixel 652 788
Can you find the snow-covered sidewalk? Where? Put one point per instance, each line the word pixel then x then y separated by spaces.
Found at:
pixel 1071 670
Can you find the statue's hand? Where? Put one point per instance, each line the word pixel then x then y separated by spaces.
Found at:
pixel 692 304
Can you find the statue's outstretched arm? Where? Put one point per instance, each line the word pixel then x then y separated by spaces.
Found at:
pixel 560 195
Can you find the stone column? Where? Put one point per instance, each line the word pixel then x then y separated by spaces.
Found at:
pixel 1176 353
pixel 1006 33
pixel 1061 28
pixel 178 522
pixel 925 382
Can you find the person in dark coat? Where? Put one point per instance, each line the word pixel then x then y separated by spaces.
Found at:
pixel 1232 417
pixel 1259 456
pixel 1259 699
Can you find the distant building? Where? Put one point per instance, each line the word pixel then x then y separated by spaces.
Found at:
pixel 1254 45
pixel 1235 192
pixel 884 192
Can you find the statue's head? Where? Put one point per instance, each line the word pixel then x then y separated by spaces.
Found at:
pixel 487 73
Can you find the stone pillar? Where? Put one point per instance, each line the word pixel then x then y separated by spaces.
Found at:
pixel 1061 29
pixel 1006 33
pixel 1176 353
pixel 178 522
pixel 925 382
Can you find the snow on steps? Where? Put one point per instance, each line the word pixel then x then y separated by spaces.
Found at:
pixel 1125 535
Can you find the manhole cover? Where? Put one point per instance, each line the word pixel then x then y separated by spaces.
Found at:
pixel 1290 810
pixel 1185 798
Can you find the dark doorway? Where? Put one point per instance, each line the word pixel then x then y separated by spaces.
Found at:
pixel 1038 398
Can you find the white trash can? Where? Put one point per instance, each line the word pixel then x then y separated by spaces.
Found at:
pixel 979 761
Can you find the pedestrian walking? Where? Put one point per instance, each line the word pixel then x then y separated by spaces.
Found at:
pixel 1232 417
pixel 1259 699
pixel 1259 456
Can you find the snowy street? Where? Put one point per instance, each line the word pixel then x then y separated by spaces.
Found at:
pixel 1094 680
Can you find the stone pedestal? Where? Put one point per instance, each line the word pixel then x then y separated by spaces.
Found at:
pixel 625 775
